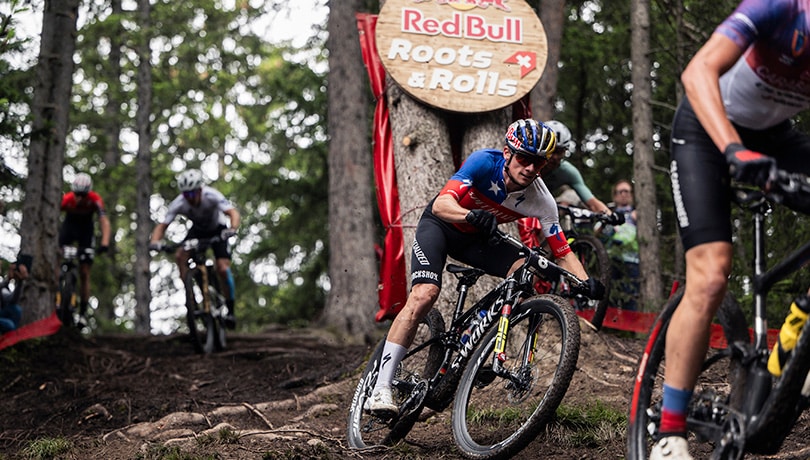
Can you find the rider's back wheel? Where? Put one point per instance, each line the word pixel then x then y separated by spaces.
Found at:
pixel 201 325
pixel 496 416
pixel 419 365
pixel 594 258
pixel 714 384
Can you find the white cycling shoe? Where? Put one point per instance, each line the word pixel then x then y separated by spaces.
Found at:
pixel 671 448
pixel 381 403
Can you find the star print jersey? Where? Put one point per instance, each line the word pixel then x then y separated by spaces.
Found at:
pixel 206 216
pixel 479 184
pixel 80 211
pixel 771 81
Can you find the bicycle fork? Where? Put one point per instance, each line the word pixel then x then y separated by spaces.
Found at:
pixel 500 356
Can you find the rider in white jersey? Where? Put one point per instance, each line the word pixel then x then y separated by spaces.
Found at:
pixel 207 209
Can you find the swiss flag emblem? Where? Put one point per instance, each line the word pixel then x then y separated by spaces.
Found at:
pixel 527 61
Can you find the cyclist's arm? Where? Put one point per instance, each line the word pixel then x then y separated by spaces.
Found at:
pixel 573 178
pixel 596 205
pixel 701 80
pixel 446 208
pixel 571 263
pixel 235 217
pixel 158 232
pixel 104 222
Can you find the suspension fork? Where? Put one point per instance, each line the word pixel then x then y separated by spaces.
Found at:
pixel 503 329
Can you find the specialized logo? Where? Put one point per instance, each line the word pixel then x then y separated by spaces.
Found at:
pixel 520 199
pixel 420 255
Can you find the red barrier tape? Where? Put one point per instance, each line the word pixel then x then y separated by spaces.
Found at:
pixel 40 328
pixel 633 321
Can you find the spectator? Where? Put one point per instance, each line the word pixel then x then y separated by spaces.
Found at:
pixel 79 206
pixel 623 246
pixel 10 310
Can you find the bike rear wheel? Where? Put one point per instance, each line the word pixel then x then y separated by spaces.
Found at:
pixel 721 379
pixel 495 417
pixel 419 365
pixel 594 258
pixel 202 328
pixel 218 309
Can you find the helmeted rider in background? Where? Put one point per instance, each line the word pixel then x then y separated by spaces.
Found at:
pixel 79 206
pixel 558 172
pixel 207 209
pixel 493 186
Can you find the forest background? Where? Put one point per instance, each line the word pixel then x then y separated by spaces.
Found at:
pixel 284 131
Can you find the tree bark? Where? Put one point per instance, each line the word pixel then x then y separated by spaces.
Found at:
pixel 49 110
pixel 352 299
pixel 552 15
pixel 643 160
pixel 143 294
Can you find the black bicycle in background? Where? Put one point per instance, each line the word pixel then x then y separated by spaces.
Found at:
pixel 737 405
pixel 205 304
pixel 505 364
pixel 67 292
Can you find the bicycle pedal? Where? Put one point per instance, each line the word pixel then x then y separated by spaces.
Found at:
pixel 415 399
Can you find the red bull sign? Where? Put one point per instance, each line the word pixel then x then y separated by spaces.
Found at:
pixel 462 55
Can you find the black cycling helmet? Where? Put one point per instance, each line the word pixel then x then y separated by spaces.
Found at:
pixel 530 137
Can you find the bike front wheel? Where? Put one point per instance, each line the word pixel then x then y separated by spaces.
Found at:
pixel 715 400
pixel 202 327
pixel 67 298
pixel 594 258
pixel 495 415
pixel 409 388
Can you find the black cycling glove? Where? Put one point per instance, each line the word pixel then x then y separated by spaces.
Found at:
pixel 749 166
pixel 483 220
pixel 616 218
pixel 596 290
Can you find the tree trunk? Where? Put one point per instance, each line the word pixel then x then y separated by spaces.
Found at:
pixel 352 300
pixel 552 15
pixel 643 160
pixel 143 294
pixel 49 110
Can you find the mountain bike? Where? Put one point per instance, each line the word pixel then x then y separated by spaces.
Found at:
pixel 505 364
pixel 581 226
pixel 205 305
pixel 737 406
pixel 66 294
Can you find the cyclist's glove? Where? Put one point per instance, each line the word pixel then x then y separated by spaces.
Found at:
pixel 484 221
pixel 749 166
pixel 102 249
pixel 616 218
pixel 227 234
pixel 155 246
pixel 596 290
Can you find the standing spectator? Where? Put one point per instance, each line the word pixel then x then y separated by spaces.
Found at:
pixel 10 310
pixel 623 245
pixel 207 209
pixel 79 206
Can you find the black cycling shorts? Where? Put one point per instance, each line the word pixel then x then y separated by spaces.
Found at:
pixel 436 239
pixel 78 232
pixel 699 172
pixel 220 248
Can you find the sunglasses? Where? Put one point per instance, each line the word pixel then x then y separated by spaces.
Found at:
pixel 622 191
pixel 189 194
pixel 528 160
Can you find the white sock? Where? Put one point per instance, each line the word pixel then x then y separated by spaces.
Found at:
pixel 391 356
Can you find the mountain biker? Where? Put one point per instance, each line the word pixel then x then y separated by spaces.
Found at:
pixel 556 173
pixel 742 87
pixel 491 187
pixel 207 208
pixel 79 206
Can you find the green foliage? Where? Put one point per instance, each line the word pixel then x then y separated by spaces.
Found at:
pixel 162 452
pixel 47 448
pixel 591 425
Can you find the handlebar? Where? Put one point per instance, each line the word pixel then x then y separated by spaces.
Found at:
pixel 580 214
pixel 790 189
pixel 191 244
pixel 542 266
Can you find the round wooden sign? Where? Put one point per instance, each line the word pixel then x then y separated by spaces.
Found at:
pixel 462 55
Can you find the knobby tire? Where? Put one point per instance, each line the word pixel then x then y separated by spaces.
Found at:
pixel 594 258
pixel 364 430
pixel 67 291
pixel 201 325
pixel 496 417
pixel 645 404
